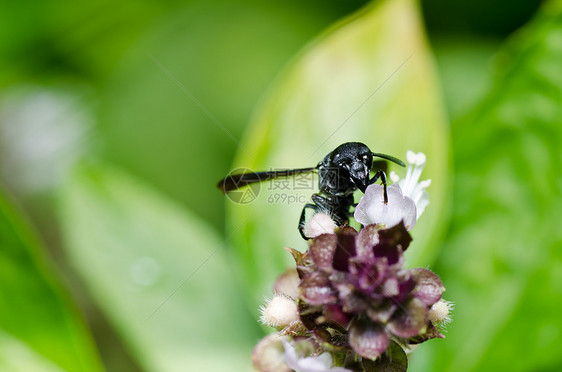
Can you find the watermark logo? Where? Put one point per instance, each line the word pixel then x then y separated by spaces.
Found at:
pixel 283 186
pixel 245 190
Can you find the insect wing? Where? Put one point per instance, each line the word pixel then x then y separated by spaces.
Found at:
pixel 236 181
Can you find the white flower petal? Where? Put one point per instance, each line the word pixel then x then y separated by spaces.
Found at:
pixel 411 157
pixel 420 159
pixel 425 183
pixel 371 208
pixel 290 354
pixel 422 201
pixel 321 363
pixel 411 186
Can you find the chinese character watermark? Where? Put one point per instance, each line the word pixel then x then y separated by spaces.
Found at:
pixel 284 186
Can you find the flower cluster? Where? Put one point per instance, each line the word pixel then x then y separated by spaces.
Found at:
pixel 350 305
pixel 355 294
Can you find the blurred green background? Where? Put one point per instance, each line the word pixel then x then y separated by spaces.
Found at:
pixel 118 253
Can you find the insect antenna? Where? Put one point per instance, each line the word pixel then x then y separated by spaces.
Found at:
pixel 389 157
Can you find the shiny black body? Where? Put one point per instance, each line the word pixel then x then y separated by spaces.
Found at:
pixel 341 172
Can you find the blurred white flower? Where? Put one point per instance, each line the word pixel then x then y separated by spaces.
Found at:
pixel 279 312
pixel 320 363
pixel 288 284
pixel 269 354
pixel 319 224
pixel 42 133
pixel 440 312
pixel 410 185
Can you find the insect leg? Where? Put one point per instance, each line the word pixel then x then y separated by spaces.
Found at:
pixel 380 174
pixel 336 207
pixel 302 219
pixel 324 202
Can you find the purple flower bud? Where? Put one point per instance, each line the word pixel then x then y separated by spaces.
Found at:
pixel 288 284
pixel 429 287
pixel 409 320
pixel 322 250
pixel 367 338
pixel 316 289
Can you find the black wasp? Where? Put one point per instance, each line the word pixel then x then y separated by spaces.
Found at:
pixel 340 173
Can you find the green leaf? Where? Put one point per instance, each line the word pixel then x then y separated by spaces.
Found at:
pixel 370 79
pixel 38 325
pixel 503 259
pixel 157 273
pixel 464 64
pixel 16 356
pixel 208 61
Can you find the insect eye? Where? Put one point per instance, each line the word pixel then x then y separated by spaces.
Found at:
pixel 365 158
